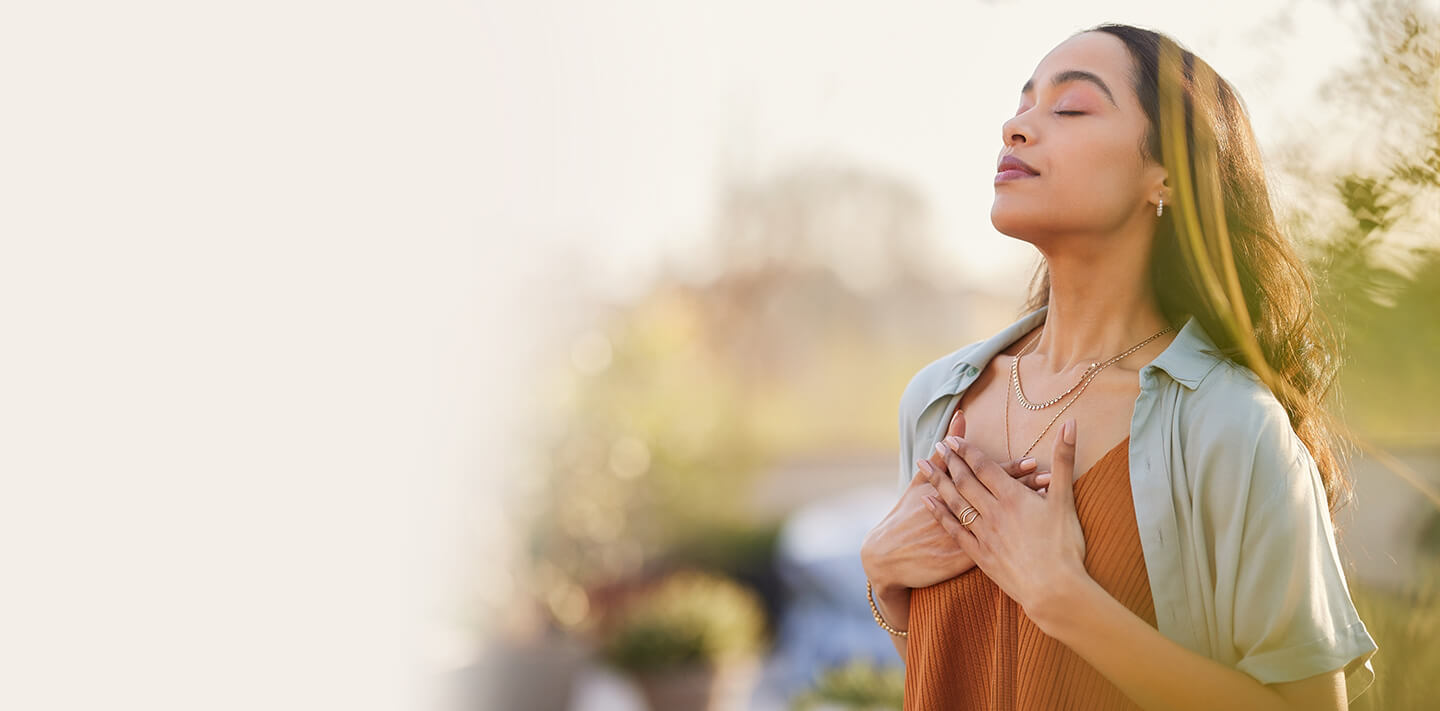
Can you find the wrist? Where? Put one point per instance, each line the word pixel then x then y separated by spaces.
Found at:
pixel 890 592
pixel 1056 608
pixel 885 612
pixel 876 575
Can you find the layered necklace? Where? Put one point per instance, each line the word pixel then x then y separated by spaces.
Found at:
pixel 1084 382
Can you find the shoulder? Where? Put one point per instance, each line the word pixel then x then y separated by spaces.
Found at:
pixel 924 388
pixel 929 380
pixel 944 375
pixel 1237 435
pixel 1230 401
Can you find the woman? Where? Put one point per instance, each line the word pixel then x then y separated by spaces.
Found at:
pixel 1159 534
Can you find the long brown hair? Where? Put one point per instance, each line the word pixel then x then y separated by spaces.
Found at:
pixel 1219 246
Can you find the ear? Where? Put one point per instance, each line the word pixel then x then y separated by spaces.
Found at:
pixel 1157 183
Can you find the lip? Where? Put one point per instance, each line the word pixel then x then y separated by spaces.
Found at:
pixel 1012 168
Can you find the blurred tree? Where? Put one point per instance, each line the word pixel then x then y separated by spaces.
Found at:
pixel 699 386
pixel 867 229
pixel 1378 256
pixel 648 445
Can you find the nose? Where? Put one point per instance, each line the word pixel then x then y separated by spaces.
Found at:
pixel 1015 131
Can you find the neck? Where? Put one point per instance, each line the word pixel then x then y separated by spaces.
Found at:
pixel 1101 305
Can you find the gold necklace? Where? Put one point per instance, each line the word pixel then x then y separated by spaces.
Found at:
pixel 1085 379
pixel 1096 367
pixel 1015 379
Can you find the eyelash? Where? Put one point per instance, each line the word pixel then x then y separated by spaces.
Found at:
pixel 1071 113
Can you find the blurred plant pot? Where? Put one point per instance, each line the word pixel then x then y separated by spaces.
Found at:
pixel 535 676
pixel 701 687
pixel 692 641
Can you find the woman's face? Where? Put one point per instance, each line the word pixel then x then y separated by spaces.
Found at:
pixel 1080 127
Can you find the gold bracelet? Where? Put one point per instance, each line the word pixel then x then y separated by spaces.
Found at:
pixel 870 593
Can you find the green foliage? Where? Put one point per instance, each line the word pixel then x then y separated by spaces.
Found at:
pixel 860 685
pixel 731 548
pixel 1377 266
pixel 690 617
pixel 1405 627
pixel 652 445
pixel 1390 384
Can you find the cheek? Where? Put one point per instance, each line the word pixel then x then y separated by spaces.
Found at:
pixel 1091 181
pixel 1097 174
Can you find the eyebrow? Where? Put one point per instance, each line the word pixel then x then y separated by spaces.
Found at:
pixel 1074 75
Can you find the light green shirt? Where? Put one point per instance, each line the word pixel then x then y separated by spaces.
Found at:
pixel 1233 520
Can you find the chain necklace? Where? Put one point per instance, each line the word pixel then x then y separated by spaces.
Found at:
pixel 1015 380
pixel 1096 367
pixel 1084 382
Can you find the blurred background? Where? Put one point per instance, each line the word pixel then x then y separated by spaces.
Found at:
pixel 538 355
pixel 771 216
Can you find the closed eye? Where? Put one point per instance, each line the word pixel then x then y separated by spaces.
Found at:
pixel 1071 113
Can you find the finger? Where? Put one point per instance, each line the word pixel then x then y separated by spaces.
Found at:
pixel 1035 481
pixel 932 474
pixel 952 526
pixel 1016 467
pixel 986 471
pixel 919 473
pixel 956 427
pixel 964 480
pixel 925 470
pixel 945 486
pixel 1020 467
pixel 957 424
pixel 1063 464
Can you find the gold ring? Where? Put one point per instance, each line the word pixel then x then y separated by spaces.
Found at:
pixel 968 509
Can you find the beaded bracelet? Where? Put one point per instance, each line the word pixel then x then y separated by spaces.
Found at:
pixel 870 593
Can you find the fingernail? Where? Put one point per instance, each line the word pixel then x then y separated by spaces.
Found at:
pixel 925 465
pixel 954 442
pixel 1042 478
pixel 1027 464
pixel 940 447
pixel 1070 432
pixel 929 503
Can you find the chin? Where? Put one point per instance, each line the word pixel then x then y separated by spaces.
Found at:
pixel 1012 220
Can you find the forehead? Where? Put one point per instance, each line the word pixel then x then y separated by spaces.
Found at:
pixel 1097 52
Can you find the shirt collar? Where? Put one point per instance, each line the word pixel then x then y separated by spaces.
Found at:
pixel 1188 358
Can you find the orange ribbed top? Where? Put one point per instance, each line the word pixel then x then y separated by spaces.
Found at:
pixel 972 647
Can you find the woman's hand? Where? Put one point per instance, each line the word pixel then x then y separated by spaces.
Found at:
pixel 1029 543
pixel 907 549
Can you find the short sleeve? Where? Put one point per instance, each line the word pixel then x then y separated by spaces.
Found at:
pixel 912 404
pixel 907 443
pixel 904 456
pixel 1293 616
pixel 926 388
